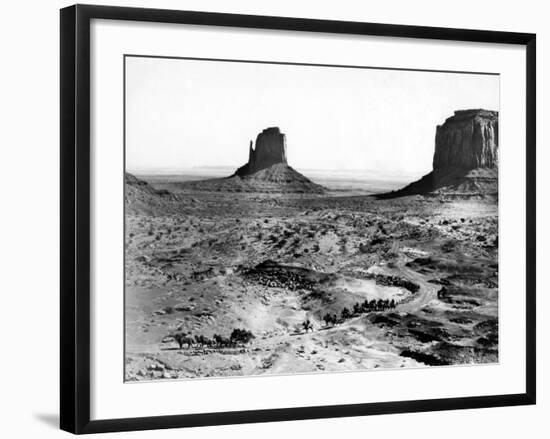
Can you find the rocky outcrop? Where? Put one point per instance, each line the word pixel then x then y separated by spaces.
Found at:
pixel 267 171
pixel 270 150
pixel 467 140
pixel 142 198
pixel 465 160
pixel 134 184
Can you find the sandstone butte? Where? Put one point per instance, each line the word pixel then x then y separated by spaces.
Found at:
pixel 266 171
pixel 465 160
pixel 270 150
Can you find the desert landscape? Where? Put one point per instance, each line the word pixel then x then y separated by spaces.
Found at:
pixel 270 271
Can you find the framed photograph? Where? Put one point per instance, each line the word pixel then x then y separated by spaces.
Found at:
pixel 268 218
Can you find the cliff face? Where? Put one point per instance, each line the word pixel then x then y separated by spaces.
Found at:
pixel 467 140
pixel 270 150
pixel 465 160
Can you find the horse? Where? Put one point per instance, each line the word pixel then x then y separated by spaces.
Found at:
pixel 182 339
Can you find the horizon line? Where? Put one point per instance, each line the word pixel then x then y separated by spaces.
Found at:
pixel 168 170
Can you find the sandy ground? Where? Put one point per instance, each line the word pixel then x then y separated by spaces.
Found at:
pixel 194 269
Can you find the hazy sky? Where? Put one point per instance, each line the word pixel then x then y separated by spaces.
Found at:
pixel 188 113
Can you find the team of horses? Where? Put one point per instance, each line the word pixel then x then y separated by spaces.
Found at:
pixel 239 337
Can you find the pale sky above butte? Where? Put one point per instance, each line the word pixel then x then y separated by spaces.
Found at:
pixel 193 113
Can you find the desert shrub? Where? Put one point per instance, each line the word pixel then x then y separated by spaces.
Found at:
pixel 448 246
pixel 376 240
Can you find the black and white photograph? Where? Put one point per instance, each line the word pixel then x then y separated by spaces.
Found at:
pixel 287 218
pixel 275 219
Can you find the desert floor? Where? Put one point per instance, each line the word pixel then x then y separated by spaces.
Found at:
pixel 196 268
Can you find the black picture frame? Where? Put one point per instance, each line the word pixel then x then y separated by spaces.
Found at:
pixel 75 217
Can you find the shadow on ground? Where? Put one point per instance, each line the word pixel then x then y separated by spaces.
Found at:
pixel 49 419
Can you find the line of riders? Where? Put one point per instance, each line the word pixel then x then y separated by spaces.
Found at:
pixel 239 337
pixel 358 309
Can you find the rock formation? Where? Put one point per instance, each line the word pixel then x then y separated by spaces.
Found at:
pixel 142 198
pixel 467 140
pixel 270 150
pixel 134 184
pixel 267 171
pixel 466 157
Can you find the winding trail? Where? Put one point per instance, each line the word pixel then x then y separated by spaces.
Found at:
pixel 423 296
